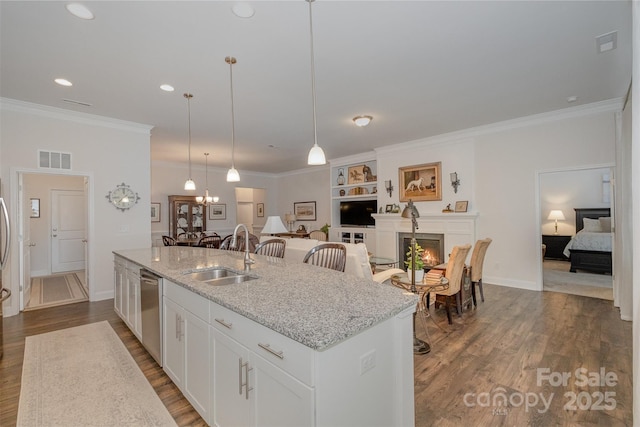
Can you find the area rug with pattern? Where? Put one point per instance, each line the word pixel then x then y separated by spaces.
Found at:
pixel 59 289
pixel 84 376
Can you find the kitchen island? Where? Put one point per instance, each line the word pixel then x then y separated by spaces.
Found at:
pixel 297 344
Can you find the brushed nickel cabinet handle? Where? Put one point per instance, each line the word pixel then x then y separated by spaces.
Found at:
pixel 223 323
pixel 267 347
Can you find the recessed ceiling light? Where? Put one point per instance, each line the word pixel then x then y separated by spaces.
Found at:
pixel 572 99
pixel 63 82
pixel 79 10
pixel 167 88
pixel 362 120
pixel 243 10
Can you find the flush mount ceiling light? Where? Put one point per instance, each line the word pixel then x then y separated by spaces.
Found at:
pixel 362 121
pixel 232 174
pixel 243 10
pixel 316 154
pixel 167 88
pixel 189 185
pixel 79 10
pixel 63 82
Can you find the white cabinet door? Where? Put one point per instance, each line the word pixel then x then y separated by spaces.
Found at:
pixel 118 279
pixel 197 363
pixel 133 302
pixel 173 357
pixel 279 399
pixel 231 399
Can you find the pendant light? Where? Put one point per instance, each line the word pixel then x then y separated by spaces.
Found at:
pixel 189 184
pixel 206 199
pixel 232 174
pixel 316 154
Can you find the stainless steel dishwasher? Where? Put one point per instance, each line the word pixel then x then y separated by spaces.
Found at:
pixel 151 313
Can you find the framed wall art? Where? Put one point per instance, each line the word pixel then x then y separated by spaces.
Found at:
pixel 355 174
pixel 155 212
pixel 260 210
pixel 218 211
pixel 305 211
pixel 35 208
pixel 421 183
pixel 461 206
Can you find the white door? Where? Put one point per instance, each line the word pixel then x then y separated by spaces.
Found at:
pixel 24 215
pixel 68 230
pixel 245 215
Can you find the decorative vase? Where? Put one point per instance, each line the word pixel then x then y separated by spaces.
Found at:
pixel 419 275
pixel 342 193
pixel 340 176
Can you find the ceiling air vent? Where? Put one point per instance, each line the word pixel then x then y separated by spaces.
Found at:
pixel 54 160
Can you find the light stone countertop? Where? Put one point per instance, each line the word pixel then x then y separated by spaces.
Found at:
pixel 315 306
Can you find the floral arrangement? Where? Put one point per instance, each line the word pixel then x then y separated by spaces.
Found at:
pixel 419 262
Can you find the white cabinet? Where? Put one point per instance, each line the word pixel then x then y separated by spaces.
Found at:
pixel 126 298
pixel 248 389
pixel 187 349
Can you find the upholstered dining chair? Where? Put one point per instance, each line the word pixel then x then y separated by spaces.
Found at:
pixel 168 241
pixel 318 235
pixel 454 273
pixel 329 255
pixel 213 241
pixel 272 247
pixel 477 260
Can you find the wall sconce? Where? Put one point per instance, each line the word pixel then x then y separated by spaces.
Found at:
pixel 455 182
pixel 389 187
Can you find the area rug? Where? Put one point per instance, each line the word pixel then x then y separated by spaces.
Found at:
pixel 60 289
pixel 589 285
pixel 84 376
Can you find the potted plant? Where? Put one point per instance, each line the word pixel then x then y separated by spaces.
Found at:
pixel 325 229
pixel 418 267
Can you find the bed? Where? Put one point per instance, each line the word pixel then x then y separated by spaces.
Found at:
pixel 590 248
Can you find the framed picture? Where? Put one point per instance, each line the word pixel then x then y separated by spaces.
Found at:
pixel 421 183
pixel 260 209
pixel 35 208
pixel 305 211
pixel 461 206
pixel 388 208
pixel 155 212
pixel 218 211
pixel 355 174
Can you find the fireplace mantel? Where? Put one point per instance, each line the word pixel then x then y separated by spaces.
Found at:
pixel 458 229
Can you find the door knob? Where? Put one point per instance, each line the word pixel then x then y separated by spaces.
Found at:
pixel 31 245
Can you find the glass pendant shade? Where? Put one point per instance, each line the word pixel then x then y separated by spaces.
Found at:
pixel 233 175
pixel 189 185
pixel 316 156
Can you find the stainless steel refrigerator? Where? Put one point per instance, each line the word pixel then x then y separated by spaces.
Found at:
pixel 5 240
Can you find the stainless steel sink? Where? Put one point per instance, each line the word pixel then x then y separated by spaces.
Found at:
pixel 219 276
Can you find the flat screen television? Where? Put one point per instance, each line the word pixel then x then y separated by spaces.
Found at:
pixel 358 212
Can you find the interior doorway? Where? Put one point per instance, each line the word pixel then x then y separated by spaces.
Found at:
pixel 562 191
pixel 56 236
pixel 247 201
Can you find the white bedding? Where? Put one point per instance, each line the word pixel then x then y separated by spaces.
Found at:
pixel 589 241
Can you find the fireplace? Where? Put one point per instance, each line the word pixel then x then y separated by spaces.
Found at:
pixel 433 245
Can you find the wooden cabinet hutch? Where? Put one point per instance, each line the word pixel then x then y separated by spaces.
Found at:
pixel 186 215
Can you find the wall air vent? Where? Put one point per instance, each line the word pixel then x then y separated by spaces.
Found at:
pixel 54 160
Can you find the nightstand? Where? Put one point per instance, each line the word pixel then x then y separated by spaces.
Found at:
pixel 555 245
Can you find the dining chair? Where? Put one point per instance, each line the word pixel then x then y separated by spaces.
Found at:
pixel 455 274
pixel 226 243
pixel 213 241
pixel 272 247
pixel 168 241
pixel 329 255
pixel 476 263
pixel 318 235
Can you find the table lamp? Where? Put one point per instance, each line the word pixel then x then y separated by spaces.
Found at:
pixel 273 226
pixel 556 215
pixel 290 219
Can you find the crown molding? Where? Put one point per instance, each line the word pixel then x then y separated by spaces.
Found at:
pixel 608 106
pixel 72 116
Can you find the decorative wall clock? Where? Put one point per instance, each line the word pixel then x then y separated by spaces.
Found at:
pixel 122 197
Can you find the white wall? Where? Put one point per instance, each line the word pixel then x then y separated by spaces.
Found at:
pixel 308 185
pixel 566 190
pixel 108 151
pixel 39 186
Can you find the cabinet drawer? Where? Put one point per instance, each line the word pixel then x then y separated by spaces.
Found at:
pixel 287 354
pixel 189 300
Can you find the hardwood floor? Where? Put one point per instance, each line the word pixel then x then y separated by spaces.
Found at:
pixel 497 349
